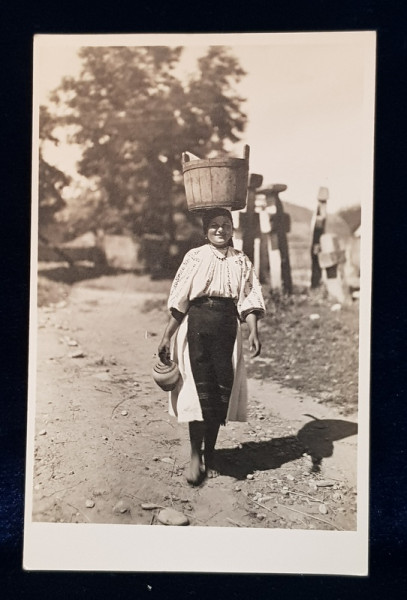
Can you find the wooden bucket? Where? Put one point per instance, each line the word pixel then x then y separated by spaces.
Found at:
pixel 216 182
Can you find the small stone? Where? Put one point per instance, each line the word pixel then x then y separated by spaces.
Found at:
pixel 250 476
pixel 314 316
pixel 42 432
pixel 265 498
pixel 102 376
pixel 167 460
pixel 170 516
pixel 337 496
pixel 323 509
pixel 72 343
pixel 290 478
pixel 156 458
pixel 89 504
pixel 121 507
pixel 78 354
pixel 261 516
pixel 105 438
pixel 238 489
pixel 149 506
pixel 336 307
pixel 124 413
pixel 324 483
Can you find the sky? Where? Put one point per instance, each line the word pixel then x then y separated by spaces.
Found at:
pixel 309 101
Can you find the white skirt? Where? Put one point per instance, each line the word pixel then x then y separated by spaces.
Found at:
pixel 184 401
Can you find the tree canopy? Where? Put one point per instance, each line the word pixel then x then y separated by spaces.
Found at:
pixel 133 115
pixel 51 179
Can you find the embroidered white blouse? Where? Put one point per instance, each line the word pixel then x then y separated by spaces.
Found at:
pixel 208 271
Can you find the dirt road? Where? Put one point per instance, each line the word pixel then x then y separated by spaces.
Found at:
pixel 105 444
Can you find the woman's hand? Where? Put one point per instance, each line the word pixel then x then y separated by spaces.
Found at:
pixel 254 344
pixel 164 345
pixel 164 350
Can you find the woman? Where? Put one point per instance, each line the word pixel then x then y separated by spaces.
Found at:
pixel 214 288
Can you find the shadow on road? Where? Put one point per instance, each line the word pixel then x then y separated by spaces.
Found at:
pixel 78 272
pixel 316 438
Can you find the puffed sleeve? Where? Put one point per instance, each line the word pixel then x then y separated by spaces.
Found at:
pixel 178 299
pixel 250 294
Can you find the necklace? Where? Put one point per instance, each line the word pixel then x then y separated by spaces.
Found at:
pixel 219 250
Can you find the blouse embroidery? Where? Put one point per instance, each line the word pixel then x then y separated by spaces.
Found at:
pixel 204 274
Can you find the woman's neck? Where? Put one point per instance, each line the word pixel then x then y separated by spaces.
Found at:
pixel 219 247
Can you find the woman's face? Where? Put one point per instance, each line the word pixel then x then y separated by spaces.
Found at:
pixel 220 231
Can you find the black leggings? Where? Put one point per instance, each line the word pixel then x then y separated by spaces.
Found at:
pixel 212 324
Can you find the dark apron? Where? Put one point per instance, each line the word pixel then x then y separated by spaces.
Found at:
pixel 212 326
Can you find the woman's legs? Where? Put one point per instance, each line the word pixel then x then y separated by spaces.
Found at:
pixel 202 432
pixel 210 437
pixel 196 436
pixel 211 338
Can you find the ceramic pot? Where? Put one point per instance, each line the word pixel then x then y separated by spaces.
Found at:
pixel 166 376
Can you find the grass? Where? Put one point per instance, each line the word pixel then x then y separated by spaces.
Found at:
pixel 316 356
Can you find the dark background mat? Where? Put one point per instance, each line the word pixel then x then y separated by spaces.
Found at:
pixel 388 519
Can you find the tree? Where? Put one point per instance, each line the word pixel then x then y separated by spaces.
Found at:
pixel 134 117
pixel 213 109
pixel 51 180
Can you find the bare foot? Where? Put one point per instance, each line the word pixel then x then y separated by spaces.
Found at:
pixel 212 473
pixel 194 473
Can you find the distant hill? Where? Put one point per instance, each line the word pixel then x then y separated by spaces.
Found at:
pixel 301 218
pixel 352 216
pixel 298 214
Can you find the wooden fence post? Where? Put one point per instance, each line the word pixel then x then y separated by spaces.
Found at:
pixel 277 244
pixel 332 258
pixel 318 228
pixel 250 219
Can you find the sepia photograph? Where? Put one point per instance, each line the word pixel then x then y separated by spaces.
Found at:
pixel 201 259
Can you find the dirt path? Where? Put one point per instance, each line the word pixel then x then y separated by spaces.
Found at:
pixel 105 444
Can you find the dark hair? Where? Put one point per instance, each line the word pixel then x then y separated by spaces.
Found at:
pixel 211 214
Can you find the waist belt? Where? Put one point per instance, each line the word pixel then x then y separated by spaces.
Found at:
pixel 213 301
